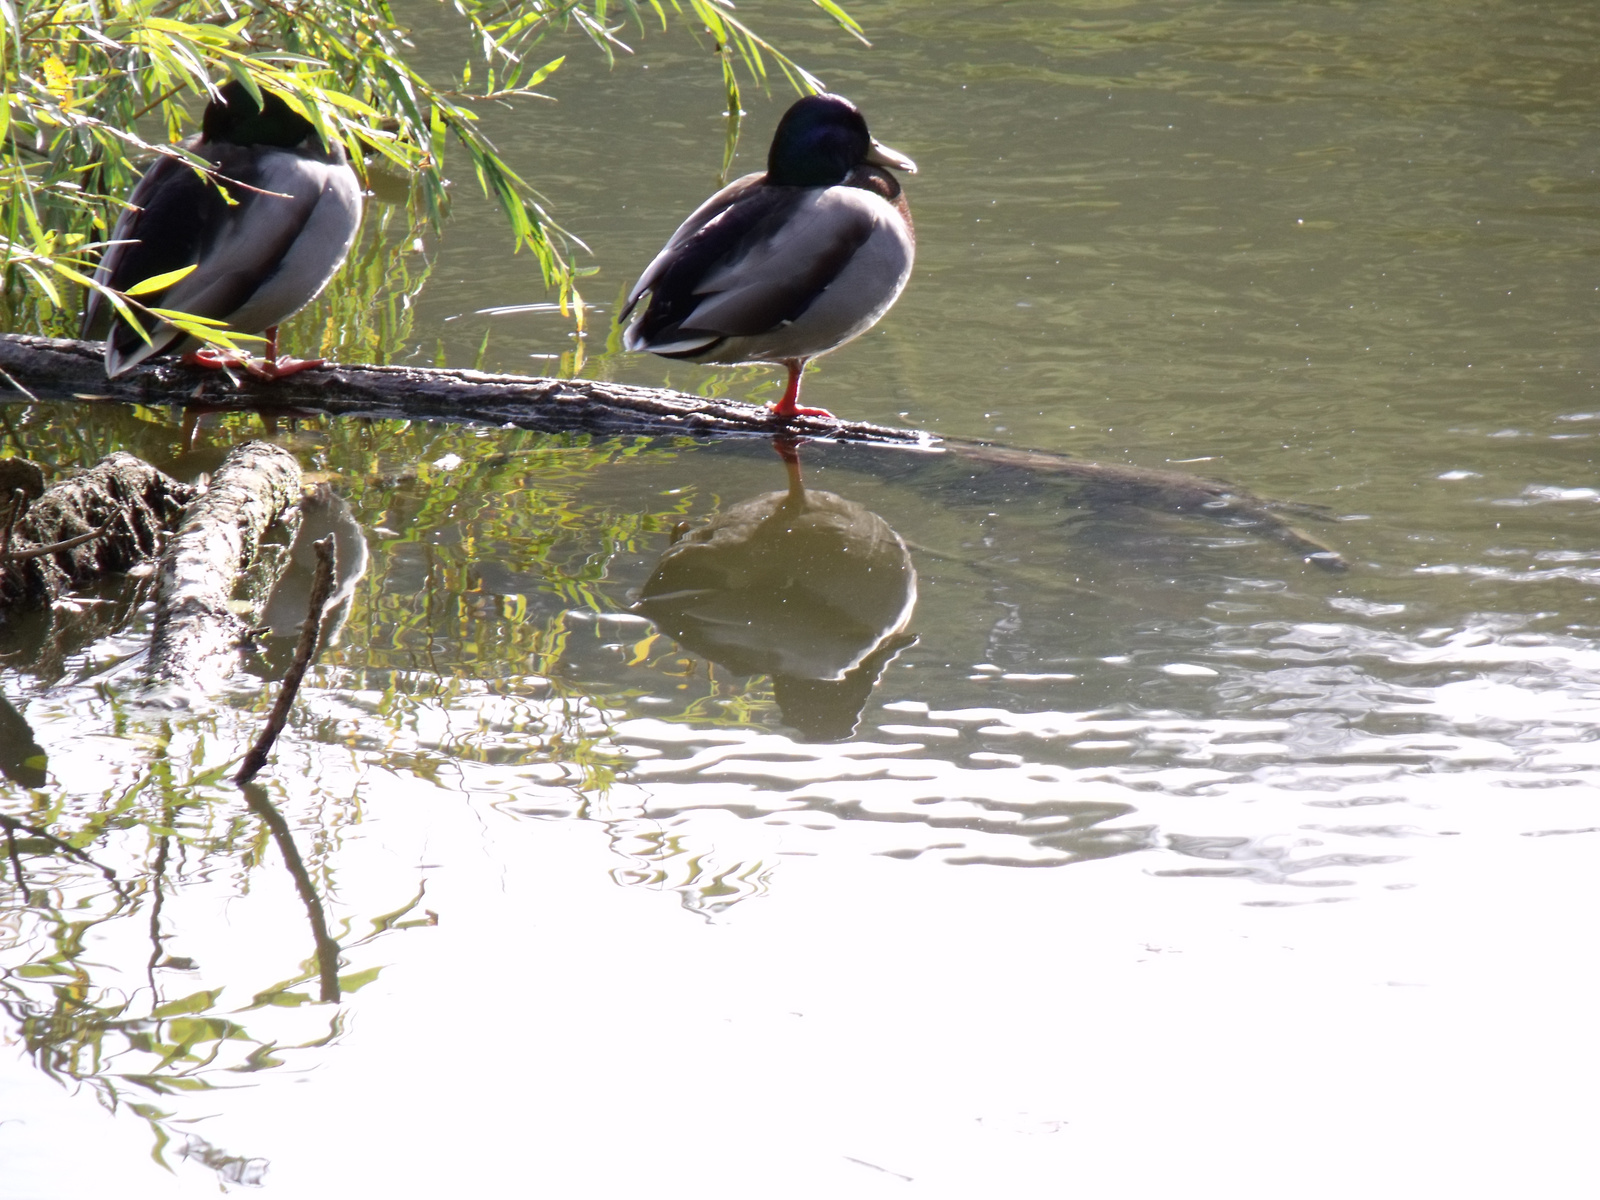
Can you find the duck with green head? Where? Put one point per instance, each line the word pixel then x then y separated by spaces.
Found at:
pixel 264 235
pixel 786 264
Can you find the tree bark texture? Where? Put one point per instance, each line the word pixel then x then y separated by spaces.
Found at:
pixel 196 638
pixel 64 369
pixel 125 496
pixel 60 368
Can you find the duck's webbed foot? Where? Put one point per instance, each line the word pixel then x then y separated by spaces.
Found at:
pixel 262 368
pixel 213 359
pixel 796 410
pixel 273 366
pixel 277 368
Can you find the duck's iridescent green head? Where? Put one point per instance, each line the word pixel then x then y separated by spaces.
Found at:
pixel 236 117
pixel 820 140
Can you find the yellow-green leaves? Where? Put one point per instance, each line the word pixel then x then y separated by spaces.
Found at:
pixel 88 90
pixel 159 283
pixel 213 332
pixel 57 79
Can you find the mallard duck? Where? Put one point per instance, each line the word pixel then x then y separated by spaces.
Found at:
pixel 295 205
pixel 786 264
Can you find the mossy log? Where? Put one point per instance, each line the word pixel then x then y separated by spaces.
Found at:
pixel 62 369
pixel 197 634
pixel 106 520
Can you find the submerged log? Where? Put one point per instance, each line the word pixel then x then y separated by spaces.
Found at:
pixel 1168 491
pixel 197 634
pixel 64 369
pixel 101 522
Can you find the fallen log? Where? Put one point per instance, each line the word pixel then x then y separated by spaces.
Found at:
pixel 197 634
pixel 101 522
pixel 60 368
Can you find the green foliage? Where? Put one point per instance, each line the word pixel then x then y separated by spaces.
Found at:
pixel 88 90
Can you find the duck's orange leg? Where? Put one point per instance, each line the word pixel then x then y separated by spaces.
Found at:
pixel 787 408
pixel 275 367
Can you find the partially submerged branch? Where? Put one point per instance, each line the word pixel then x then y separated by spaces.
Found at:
pixel 69 369
pixel 197 634
pixel 305 650
pixel 1168 491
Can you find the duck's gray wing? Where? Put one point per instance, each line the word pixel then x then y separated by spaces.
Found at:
pixel 755 265
pixel 692 225
pixel 728 229
pixel 785 264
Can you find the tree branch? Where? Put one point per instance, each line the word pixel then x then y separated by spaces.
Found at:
pixel 305 650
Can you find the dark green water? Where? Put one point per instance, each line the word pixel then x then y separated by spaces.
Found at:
pixel 612 924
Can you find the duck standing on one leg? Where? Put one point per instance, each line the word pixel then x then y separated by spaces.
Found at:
pixel 257 260
pixel 781 266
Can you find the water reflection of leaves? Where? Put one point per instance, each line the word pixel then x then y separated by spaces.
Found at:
pixel 366 313
pixel 666 861
pixel 79 1026
pixel 70 958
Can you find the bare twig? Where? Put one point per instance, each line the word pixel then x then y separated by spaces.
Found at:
pixel 11 825
pixel 9 555
pixel 304 652
pixel 217 177
pixel 161 99
pixel 6 375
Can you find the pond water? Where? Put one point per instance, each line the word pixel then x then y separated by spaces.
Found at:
pixel 1142 855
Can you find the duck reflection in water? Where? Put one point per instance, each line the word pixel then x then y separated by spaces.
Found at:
pixel 800 584
pixel 322 512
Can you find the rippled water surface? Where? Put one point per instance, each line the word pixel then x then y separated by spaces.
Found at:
pixel 911 825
